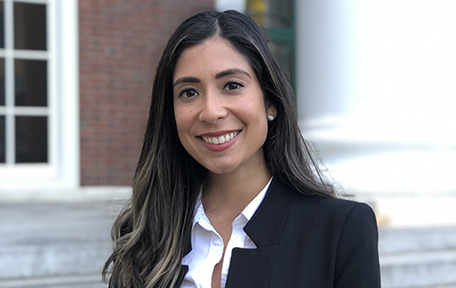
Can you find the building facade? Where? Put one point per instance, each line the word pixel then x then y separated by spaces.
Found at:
pixel 77 77
pixel 371 88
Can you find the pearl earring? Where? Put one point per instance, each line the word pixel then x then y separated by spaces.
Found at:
pixel 271 117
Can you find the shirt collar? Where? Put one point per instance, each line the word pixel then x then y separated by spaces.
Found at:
pixel 255 203
pixel 200 215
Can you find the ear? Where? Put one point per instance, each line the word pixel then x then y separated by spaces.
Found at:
pixel 271 110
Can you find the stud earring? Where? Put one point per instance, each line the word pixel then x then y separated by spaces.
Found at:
pixel 271 117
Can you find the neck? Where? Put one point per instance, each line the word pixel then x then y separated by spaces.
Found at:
pixel 230 193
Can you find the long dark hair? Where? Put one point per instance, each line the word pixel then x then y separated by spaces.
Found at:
pixel 151 236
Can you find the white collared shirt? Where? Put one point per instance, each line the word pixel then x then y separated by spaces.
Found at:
pixel 207 245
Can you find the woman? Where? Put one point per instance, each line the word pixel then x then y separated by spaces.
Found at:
pixel 226 193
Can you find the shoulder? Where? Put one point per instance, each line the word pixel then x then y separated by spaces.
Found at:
pixel 302 210
pixel 329 210
pixel 335 207
pixel 338 235
pixel 348 223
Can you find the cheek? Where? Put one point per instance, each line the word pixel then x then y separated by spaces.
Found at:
pixel 256 113
pixel 183 117
pixel 179 115
pixel 263 130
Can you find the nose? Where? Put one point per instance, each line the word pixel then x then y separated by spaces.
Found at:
pixel 213 108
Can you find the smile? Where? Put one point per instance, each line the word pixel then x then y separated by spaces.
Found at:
pixel 220 140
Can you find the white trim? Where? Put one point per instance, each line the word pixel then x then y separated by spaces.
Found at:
pixel 53 83
pixel 25 111
pixel 9 83
pixel 24 54
pixel 61 193
pixel 32 1
pixel 69 90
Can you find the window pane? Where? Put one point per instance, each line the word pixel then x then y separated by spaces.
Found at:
pixel 2 81
pixel 31 139
pixel 29 26
pixel 30 82
pixel 2 139
pixel 2 26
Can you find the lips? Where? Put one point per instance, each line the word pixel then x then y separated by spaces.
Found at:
pixel 219 141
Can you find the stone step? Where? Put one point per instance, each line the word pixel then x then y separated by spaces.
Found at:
pixel 393 240
pixel 70 239
pixel 418 257
pixel 42 240
pixel 79 281
pixel 419 269
pixel 52 260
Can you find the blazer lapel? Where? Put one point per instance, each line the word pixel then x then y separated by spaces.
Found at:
pixel 184 268
pixel 253 267
pixel 182 272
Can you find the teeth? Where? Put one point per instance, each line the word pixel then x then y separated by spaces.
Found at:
pixel 221 139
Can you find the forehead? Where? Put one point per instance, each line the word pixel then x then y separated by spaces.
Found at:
pixel 212 56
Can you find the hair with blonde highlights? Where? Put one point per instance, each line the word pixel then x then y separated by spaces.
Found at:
pixel 152 235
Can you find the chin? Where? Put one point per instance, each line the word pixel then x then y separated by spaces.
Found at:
pixel 225 169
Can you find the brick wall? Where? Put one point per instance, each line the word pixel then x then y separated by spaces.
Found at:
pixel 120 45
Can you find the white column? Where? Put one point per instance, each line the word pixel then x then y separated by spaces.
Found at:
pixel 377 92
pixel 326 58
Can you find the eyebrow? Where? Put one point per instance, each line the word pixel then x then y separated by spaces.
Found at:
pixel 186 80
pixel 217 76
pixel 230 72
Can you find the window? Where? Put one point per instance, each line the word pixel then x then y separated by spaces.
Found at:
pixel 24 72
pixel 38 56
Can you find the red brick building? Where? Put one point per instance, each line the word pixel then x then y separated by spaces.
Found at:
pixel 120 45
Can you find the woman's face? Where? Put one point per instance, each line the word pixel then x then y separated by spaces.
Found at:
pixel 219 107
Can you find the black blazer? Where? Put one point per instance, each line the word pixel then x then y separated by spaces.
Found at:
pixel 306 241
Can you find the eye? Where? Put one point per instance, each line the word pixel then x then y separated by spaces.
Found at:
pixel 233 86
pixel 188 93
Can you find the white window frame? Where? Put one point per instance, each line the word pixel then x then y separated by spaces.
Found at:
pixel 62 169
